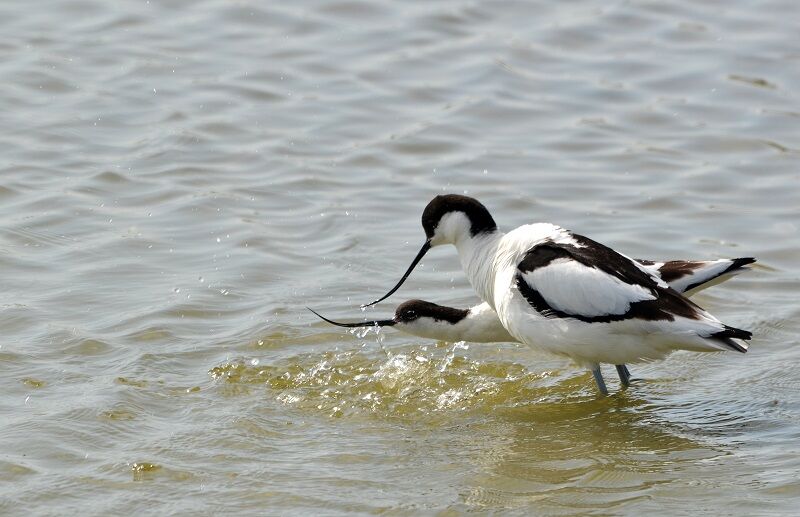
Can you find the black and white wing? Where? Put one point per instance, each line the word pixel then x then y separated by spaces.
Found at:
pixel 584 280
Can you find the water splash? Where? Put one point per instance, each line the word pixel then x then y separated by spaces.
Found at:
pixel 415 380
pixel 448 359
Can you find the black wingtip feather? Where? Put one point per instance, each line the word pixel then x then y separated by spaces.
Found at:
pixel 739 263
pixel 728 334
pixel 736 265
pixel 734 333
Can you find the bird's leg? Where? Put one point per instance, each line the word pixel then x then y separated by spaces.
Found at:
pixel 624 375
pixel 598 378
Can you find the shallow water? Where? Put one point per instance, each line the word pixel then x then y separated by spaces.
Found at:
pixel 180 179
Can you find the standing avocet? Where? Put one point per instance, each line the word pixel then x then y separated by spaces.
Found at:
pixel 568 295
pixel 480 324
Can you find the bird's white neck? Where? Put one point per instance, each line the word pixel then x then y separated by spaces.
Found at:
pixel 478 256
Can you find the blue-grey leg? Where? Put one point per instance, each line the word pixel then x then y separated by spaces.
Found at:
pixel 624 375
pixel 598 378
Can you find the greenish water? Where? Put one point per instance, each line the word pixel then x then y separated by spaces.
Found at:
pixel 180 179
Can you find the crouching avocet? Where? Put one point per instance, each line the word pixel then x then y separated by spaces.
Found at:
pixel 480 324
pixel 568 295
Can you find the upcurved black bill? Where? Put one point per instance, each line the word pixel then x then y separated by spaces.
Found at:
pixel 379 323
pixel 422 252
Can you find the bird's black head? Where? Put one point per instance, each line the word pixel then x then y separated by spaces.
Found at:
pixel 477 216
pixel 412 310
pixel 446 220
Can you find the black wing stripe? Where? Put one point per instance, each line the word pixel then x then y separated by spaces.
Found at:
pixel 674 269
pixel 667 304
pixel 664 308
pixel 591 254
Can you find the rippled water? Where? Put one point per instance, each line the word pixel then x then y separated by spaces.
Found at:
pixel 181 178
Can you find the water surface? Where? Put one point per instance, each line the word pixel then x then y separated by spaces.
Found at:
pixel 181 178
